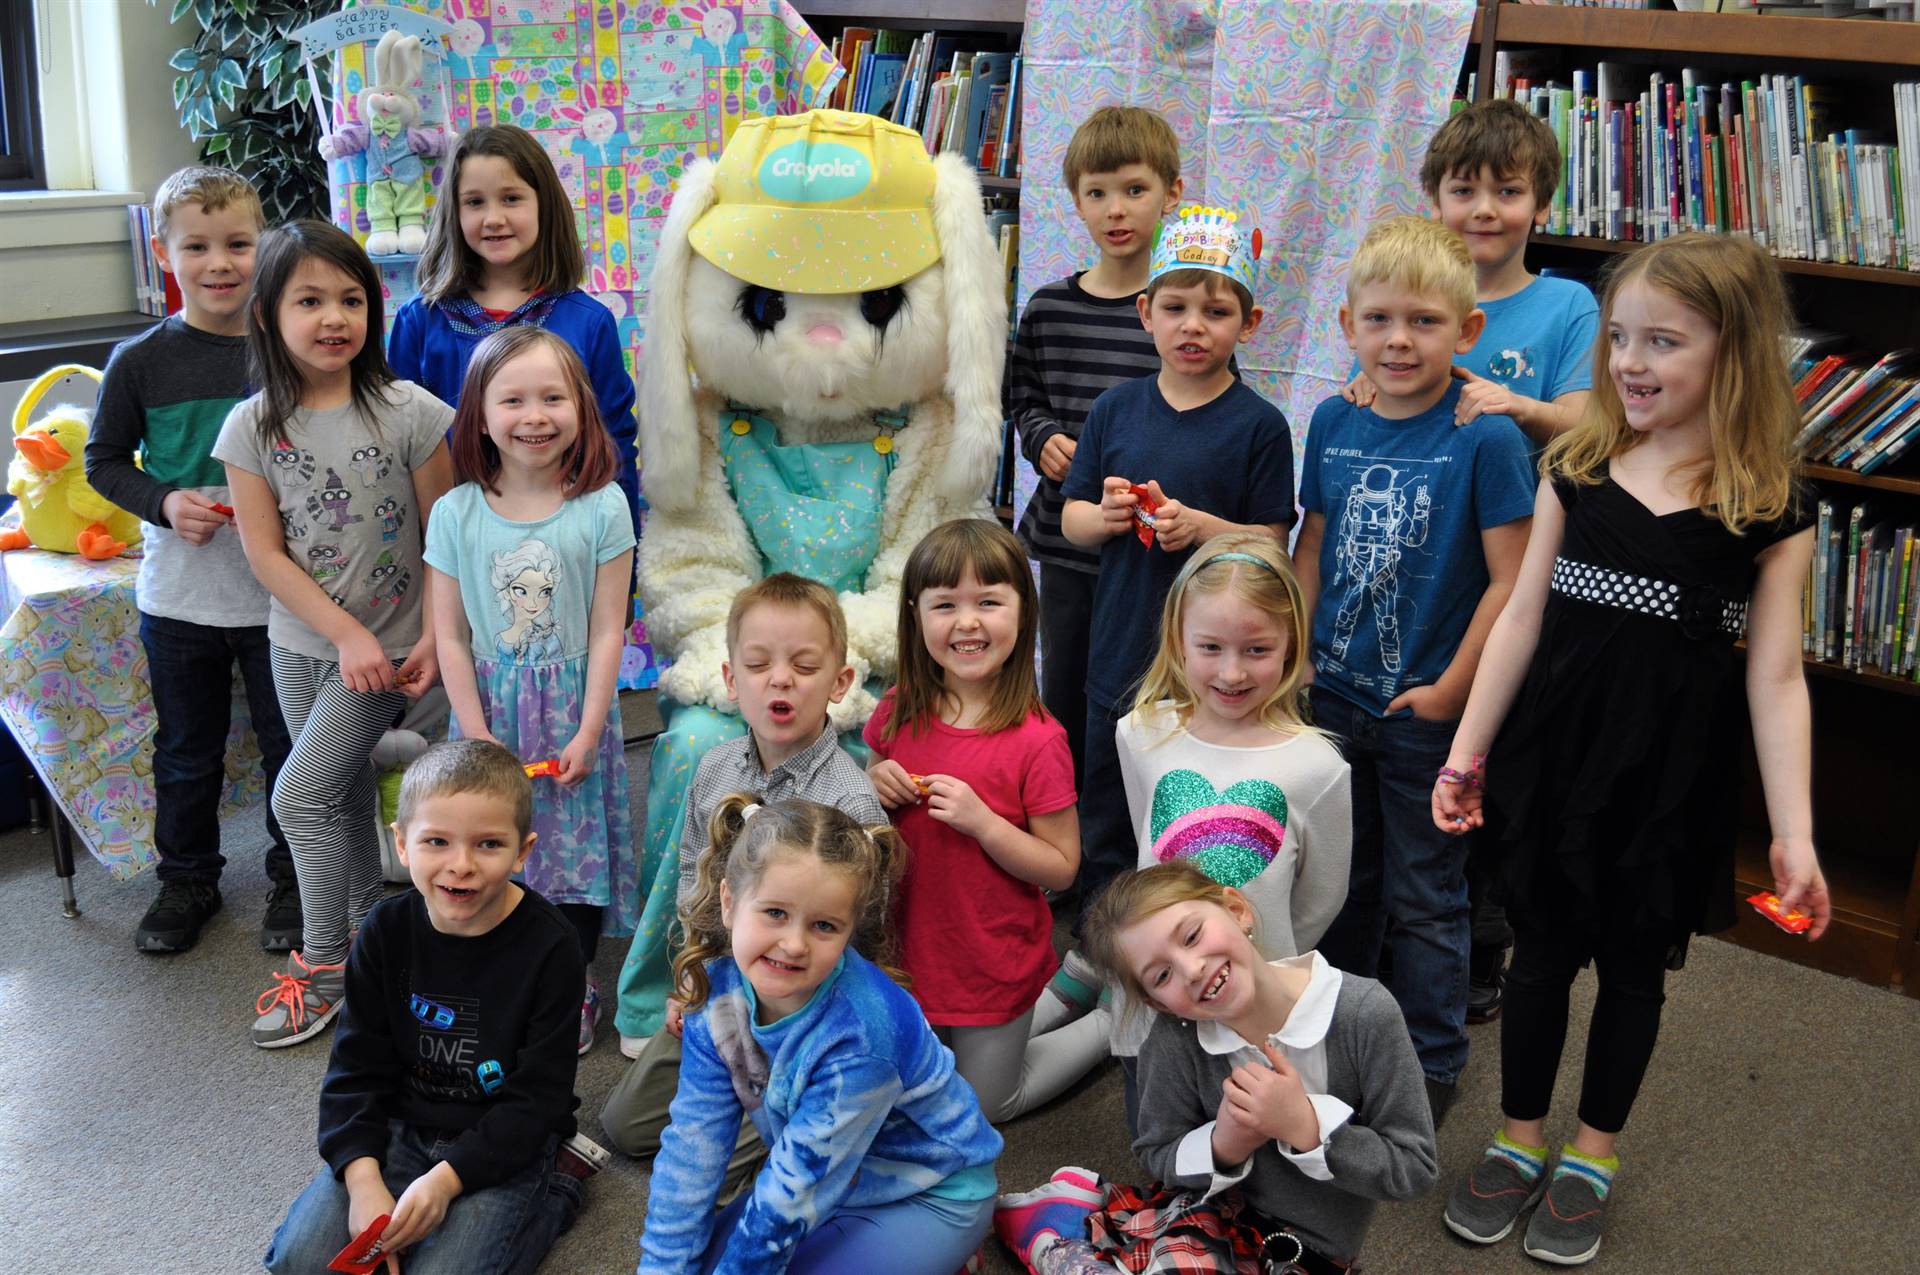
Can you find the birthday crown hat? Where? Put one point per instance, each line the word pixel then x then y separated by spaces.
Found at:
pixel 1202 238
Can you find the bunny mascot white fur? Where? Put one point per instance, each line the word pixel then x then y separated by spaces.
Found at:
pixel 824 347
pixel 394 144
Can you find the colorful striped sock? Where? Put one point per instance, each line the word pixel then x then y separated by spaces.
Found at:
pixel 1531 1161
pixel 1598 1172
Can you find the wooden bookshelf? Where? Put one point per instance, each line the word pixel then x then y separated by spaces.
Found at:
pixel 1864 722
pixel 951 15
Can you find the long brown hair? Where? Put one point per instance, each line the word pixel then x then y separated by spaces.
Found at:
pixel 944 555
pixel 588 465
pixel 1270 589
pixel 1750 474
pixel 449 268
pixel 739 848
pixel 281 253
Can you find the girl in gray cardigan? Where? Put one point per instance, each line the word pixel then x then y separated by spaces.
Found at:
pixel 1288 1083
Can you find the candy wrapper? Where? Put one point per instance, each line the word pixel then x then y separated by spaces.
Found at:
pixel 354 1259
pixel 1143 515
pixel 550 768
pixel 920 782
pixel 223 509
pixel 1767 904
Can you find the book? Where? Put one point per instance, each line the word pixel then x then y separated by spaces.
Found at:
pixel 987 71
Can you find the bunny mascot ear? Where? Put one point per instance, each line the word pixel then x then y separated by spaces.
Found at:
pixel 976 288
pixel 669 431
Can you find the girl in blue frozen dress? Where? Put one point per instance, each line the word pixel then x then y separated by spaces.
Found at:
pixel 529 559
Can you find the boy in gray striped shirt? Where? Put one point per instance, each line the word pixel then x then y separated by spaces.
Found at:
pixel 1078 337
pixel 786 661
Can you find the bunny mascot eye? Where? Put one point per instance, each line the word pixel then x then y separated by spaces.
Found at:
pixel 809 403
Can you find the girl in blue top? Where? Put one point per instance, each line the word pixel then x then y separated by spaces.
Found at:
pixel 502 250
pixel 529 559
pixel 881 1159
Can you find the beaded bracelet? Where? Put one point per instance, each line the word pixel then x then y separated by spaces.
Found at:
pixel 1469 778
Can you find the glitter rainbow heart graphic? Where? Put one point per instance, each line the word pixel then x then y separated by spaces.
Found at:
pixel 1231 836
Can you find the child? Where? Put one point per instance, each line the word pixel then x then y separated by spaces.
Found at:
pixel 1491 172
pixel 1287 1080
pixel 786 662
pixel 980 783
pixel 333 465
pixel 165 395
pixel 1613 715
pixel 1214 454
pixel 502 249
pixel 881 1159
pixel 529 561
pixel 1220 771
pixel 1413 533
pixel 1079 337
pixel 449 1102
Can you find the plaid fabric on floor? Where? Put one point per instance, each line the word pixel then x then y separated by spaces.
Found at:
pixel 1167 1232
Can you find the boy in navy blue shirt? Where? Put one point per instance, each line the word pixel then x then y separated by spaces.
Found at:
pixel 1213 455
pixel 1414 531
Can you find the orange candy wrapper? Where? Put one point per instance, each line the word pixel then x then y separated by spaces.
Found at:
pixel 1143 515
pixel 1767 904
pixel 920 782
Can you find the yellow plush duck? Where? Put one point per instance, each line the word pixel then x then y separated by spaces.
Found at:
pixel 59 510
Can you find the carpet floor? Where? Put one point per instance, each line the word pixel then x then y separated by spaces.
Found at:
pixel 140 1131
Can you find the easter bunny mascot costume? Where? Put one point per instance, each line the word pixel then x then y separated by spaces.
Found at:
pixel 824 347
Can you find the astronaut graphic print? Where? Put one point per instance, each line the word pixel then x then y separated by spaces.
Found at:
pixel 1401 563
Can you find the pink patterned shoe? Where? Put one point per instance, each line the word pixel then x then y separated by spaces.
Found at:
pixel 1059 1207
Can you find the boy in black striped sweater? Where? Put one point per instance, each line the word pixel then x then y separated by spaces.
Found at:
pixel 1078 337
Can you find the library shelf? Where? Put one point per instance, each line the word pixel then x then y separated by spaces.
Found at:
pixel 993 184
pixel 1878 482
pixel 953 15
pixel 1864 935
pixel 1733 34
pixel 1791 265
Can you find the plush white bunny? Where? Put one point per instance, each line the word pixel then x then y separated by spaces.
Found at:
pixel 394 144
pixel 820 366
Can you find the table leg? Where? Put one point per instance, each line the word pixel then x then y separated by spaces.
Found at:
pixel 37 804
pixel 63 863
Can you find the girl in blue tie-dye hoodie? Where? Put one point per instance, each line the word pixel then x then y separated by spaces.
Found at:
pixel 881 1158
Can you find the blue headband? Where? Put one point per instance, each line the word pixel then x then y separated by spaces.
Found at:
pixel 1234 555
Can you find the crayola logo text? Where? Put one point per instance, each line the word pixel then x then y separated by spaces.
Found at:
pixel 815 173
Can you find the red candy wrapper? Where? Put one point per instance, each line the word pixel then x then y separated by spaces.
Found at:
pixel 1767 904
pixel 1143 515
pixel 549 768
pixel 223 509
pixel 353 1259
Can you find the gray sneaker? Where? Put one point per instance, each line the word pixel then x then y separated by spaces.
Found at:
pixel 1487 1202
pixel 301 1002
pixel 1565 1229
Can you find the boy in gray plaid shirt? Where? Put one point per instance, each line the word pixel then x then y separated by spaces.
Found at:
pixel 786 662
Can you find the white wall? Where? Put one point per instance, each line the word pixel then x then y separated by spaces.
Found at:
pixel 110 130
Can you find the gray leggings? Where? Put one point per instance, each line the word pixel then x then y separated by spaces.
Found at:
pixel 1011 1074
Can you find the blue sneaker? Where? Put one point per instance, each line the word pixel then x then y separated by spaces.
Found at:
pixel 1059 1208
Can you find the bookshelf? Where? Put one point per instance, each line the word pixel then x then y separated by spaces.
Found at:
pixel 1864 722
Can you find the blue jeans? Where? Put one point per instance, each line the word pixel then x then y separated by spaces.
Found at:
pixel 920 1235
pixel 190 667
pixel 1107 846
pixel 500 1230
pixel 1405 868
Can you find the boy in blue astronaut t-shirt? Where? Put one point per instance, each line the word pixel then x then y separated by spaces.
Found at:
pixel 1413 535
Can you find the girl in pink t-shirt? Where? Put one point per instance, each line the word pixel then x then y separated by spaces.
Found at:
pixel 979 781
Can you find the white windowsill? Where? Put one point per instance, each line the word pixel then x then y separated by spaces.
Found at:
pixel 63 200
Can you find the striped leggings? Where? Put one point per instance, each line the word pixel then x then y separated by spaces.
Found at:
pixel 324 797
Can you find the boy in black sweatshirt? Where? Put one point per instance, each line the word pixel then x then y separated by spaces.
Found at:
pixel 449 1099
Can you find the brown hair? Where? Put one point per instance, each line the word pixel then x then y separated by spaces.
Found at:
pixel 937 562
pixel 1212 280
pixel 587 466
pixel 209 186
pixel 1500 137
pixel 785 589
pixel 1132 898
pixel 739 847
pixel 1271 589
pixel 1751 473
pixel 1417 255
pixel 281 253
pixel 449 268
pixel 1115 136
pixel 463 766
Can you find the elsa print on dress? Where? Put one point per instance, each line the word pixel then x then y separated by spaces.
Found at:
pixel 524 579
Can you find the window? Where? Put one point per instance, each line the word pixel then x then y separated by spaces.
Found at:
pixel 20 154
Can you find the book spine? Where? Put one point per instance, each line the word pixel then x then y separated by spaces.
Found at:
pixel 1823 522
pixel 1904 569
pixel 1853 586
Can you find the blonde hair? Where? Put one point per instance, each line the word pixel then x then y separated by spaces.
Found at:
pixel 1417 255
pixel 1751 474
pixel 1115 136
pixel 1270 589
pixel 1131 899
pixel 209 186
pixel 937 562
pixel 739 848
pixel 785 589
